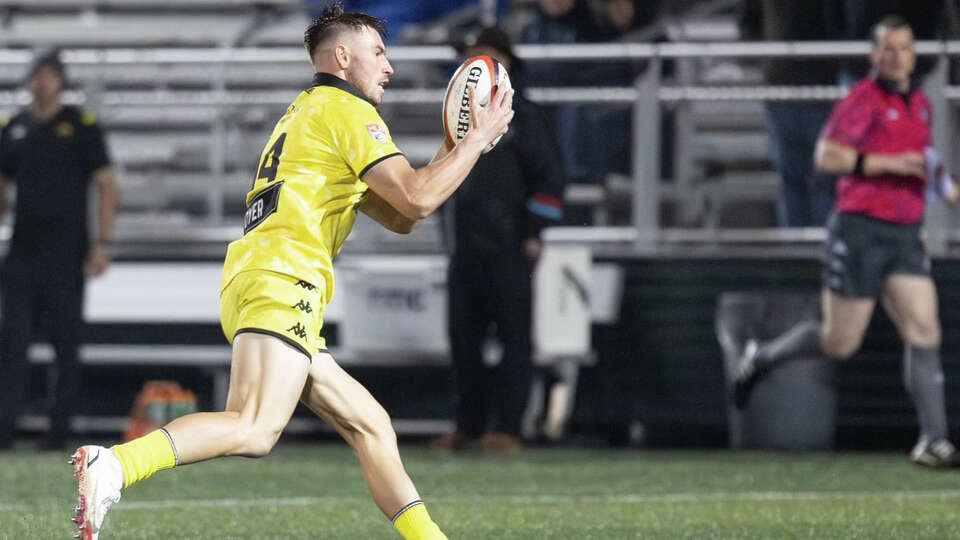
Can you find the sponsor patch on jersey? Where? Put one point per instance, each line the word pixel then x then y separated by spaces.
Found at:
pixel 893 114
pixel 65 129
pixel 260 208
pixel 377 132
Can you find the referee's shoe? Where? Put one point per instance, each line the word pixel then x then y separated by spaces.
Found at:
pixel 938 454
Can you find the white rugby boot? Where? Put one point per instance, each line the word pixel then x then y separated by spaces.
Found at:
pixel 938 454
pixel 99 480
pixel 747 374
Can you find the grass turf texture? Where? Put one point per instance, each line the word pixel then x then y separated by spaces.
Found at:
pixel 317 491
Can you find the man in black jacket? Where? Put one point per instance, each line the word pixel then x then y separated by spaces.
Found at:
pixel 493 227
pixel 805 196
pixel 51 152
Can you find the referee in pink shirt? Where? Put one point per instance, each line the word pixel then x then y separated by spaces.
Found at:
pixel 875 141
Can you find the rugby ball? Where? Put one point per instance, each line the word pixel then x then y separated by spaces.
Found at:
pixel 486 76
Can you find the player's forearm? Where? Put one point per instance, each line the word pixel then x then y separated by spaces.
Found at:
pixel 436 182
pixel 839 159
pixel 445 149
pixel 106 217
pixel 834 158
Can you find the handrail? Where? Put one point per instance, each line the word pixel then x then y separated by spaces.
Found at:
pixel 646 96
pixel 533 52
pixel 424 96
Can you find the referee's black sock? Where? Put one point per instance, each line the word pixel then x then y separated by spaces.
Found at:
pixel 923 377
pixel 801 341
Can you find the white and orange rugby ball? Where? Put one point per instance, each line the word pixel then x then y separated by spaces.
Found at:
pixel 486 76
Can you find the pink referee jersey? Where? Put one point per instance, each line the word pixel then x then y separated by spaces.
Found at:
pixel 874 118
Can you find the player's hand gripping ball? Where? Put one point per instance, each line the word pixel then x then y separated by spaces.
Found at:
pixel 487 77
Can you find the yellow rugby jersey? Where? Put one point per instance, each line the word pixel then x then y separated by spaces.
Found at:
pixel 308 185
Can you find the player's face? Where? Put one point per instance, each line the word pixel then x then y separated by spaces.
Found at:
pixel 44 84
pixel 894 55
pixel 369 69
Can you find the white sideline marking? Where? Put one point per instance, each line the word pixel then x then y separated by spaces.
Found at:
pixel 625 498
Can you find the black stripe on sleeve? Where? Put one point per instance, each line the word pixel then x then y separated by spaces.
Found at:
pixel 378 160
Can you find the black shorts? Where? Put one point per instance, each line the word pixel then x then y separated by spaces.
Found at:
pixel 862 251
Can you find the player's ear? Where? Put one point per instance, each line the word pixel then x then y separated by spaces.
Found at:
pixel 342 55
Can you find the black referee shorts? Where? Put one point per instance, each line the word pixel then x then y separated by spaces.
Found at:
pixel 862 251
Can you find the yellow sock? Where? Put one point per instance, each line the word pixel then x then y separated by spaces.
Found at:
pixel 142 457
pixel 414 523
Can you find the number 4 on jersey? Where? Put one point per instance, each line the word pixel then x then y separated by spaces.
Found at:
pixel 271 160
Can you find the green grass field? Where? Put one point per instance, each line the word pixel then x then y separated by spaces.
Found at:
pixel 317 491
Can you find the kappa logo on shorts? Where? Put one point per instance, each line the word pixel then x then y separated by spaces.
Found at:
pixel 303 306
pixel 305 285
pixel 298 330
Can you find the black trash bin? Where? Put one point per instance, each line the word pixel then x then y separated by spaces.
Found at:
pixel 795 406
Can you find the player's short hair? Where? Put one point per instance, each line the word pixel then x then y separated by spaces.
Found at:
pixel 49 60
pixel 333 20
pixel 887 23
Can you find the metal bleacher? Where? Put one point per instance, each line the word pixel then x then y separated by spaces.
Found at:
pixel 187 110
pixel 188 91
pixel 186 113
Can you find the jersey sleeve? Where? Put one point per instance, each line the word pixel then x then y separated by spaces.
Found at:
pixel 95 154
pixel 363 139
pixel 850 120
pixel 543 174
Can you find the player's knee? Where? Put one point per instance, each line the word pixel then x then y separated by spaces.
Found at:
pixel 840 347
pixel 923 334
pixel 376 426
pixel 257 441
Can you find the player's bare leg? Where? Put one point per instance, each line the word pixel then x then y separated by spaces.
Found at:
pixel 346 405
pixel 911 302
pixel 838 335
pixel 845 322
pixel 266 380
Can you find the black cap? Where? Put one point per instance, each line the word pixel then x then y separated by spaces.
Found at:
pixel 49 60
pixel 493 37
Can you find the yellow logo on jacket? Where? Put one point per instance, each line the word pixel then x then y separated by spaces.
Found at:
pixel 65 129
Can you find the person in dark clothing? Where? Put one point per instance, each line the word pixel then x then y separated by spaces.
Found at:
pixel 877 140
pixel 493 225
pixel 50 152
pixel 805 196
pixel 567 21
pixel 622 18
pixel 561 21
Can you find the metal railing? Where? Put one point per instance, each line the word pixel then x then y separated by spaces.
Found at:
pixel 647 96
